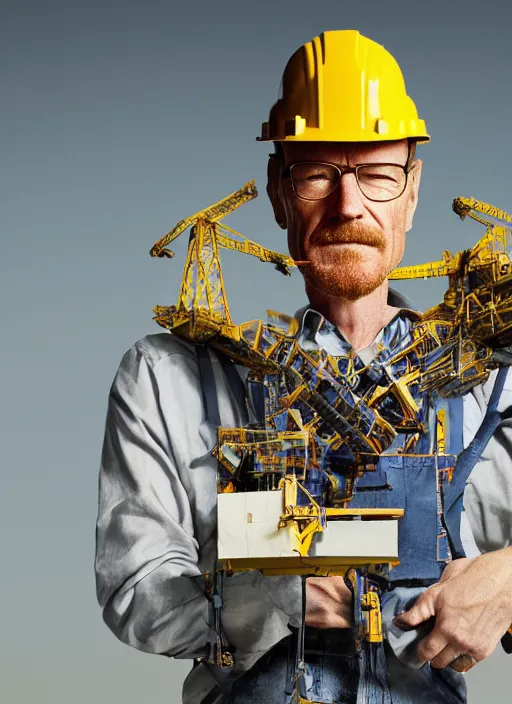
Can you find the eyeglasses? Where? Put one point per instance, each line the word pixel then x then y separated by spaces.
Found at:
pixel 316 180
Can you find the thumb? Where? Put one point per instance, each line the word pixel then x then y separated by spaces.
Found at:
pixel 422 610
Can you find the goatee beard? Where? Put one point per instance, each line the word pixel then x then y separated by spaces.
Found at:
pixel 343 272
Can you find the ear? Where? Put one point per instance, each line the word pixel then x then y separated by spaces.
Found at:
pixel 273 177
pixel 413 188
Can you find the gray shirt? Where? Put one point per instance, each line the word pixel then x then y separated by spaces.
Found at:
pixel 156 527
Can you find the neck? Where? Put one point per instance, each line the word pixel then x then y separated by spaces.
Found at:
pixel 359 321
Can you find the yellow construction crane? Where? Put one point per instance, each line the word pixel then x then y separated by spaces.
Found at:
pixel 312 408
pixel 493 244
pixel 452 346
pixel 202 310
pixel 467 335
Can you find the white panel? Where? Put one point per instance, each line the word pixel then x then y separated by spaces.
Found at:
pixel 362 538
pixel 247 528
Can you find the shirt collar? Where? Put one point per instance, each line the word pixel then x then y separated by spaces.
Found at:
pixel 315 331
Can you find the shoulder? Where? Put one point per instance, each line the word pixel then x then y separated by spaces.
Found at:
pixel 159 347
pixel 166 375
pixel 155 361
pixel 164 358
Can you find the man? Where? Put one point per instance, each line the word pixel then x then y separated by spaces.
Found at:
pixel 344 183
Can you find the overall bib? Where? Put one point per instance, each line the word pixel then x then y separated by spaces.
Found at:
pixel 426 480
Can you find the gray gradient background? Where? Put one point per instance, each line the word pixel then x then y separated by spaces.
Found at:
pixel 118 120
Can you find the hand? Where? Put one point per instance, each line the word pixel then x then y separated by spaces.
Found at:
pixel 328 603
pixel 472 606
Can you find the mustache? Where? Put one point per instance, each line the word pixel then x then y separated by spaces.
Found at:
pixel 348 233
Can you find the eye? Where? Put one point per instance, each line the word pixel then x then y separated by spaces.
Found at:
pixel 317 176
pixel 382 181
pixel 381 173
pixel 378 176
pixel 313 173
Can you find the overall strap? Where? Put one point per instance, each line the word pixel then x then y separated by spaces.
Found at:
pixel 454 492
pixel 207 381
pixel 208 386
pixel 224 679
pixel 235 381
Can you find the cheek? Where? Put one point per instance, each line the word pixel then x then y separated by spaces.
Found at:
pixel 300 225
pixel 398 239
pixel 397 244
pixel 293 235
pixel 293 244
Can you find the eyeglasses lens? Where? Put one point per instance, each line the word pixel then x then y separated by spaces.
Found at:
pixel 380 182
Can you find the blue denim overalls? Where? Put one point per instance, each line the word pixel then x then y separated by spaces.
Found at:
pixel 429 485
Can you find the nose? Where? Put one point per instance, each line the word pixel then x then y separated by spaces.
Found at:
pixel 347 199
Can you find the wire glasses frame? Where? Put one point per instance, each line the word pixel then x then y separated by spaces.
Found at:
pixel 388 178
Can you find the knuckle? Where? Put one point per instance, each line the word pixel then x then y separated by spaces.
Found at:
pixel 457 630
pixel 462 641
pixel 466 645
pixel 427 652
pixel 450 634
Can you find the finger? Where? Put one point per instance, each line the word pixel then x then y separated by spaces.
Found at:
pixel 446 657
pixel 433 645
pixel 421 611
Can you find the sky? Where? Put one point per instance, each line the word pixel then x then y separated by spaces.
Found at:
pixel 118 120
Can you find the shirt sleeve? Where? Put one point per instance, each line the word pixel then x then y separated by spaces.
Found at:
pixel 148 581
pixel 488 493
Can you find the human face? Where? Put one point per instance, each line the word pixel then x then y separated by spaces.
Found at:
pixel 351 243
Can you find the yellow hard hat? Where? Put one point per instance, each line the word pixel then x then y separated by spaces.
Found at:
pixel 343 87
